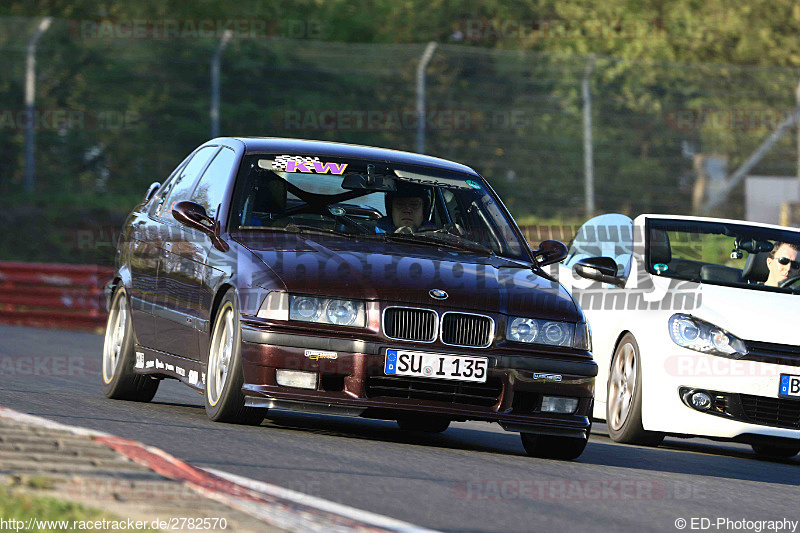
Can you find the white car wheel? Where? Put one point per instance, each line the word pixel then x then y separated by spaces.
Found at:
pixel 624 400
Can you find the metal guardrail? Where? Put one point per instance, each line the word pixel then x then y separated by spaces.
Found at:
pixel 53 295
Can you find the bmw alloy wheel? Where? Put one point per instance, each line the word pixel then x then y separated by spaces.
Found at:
pixel 115 337
pixel 220 355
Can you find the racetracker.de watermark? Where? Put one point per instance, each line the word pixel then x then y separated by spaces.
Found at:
pixel 558 490
pixel 42 366
pixel 68 120
pixel 734 119
pixel 590 28
pixel 712 366
pixel 399 119
pixel 202 28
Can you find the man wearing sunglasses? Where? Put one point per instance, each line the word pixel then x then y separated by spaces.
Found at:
pixel 782 263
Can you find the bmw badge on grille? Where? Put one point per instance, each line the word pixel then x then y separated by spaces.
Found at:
pixel 439 294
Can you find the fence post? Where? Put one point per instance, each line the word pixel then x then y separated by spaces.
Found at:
pixel 797 97
pixel 30 97
pixel 423 64
pixel 215 68
pixel 588 154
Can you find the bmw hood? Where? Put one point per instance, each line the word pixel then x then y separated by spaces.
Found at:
pixel 411 275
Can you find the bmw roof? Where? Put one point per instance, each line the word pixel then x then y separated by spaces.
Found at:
pixel 324 148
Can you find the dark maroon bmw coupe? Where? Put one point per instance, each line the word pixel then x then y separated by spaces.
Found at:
pixel 282 274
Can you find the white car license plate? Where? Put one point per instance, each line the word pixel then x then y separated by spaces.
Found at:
pixel 434 365
pixel 789 386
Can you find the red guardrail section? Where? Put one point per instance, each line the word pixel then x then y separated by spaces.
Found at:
pixel 52 295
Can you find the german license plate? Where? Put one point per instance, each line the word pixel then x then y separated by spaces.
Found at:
pixel 437 366
pixel 789 386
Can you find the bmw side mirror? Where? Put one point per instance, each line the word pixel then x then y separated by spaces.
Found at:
pixel 602 269
pixel 550 252
pixel 194 216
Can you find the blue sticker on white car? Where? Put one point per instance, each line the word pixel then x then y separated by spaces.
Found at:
pixel 790 386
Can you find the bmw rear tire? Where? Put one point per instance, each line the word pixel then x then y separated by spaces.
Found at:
pixel 120 382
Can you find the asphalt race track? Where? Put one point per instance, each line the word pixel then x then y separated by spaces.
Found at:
pixel 473 477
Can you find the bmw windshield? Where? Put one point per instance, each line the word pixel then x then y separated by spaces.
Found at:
pixel 364 200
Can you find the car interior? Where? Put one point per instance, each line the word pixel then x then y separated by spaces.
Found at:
pixel 661 260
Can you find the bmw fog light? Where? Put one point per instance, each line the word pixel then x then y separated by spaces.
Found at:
pixel 559 404
pixel 296 379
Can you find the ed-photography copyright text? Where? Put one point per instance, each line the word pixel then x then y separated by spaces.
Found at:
pixel 734 524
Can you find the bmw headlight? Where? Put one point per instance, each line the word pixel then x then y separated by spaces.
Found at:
pixel 342 312
pixel 699 335
pixel 536 331
pixel 327 311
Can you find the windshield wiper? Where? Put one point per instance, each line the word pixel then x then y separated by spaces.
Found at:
pixel 300 229
pixel 430 240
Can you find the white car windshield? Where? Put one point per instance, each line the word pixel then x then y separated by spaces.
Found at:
pixel 722 253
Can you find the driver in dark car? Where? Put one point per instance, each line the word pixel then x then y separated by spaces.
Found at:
pixel 782 263
pixel 406 207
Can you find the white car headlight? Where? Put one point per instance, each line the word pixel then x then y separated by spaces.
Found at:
pixel 699 335
pixel 327 311
pixel 536 331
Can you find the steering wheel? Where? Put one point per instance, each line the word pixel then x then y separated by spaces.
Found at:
pixel 451 229
pixel 273 221
pixel 343 218
pixel 788 282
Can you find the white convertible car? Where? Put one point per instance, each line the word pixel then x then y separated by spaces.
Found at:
pixel 696 327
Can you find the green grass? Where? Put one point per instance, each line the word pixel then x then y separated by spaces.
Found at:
pixel 23 506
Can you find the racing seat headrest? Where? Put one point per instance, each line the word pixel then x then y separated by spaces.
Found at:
pixel 660 251
pixel 755 268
